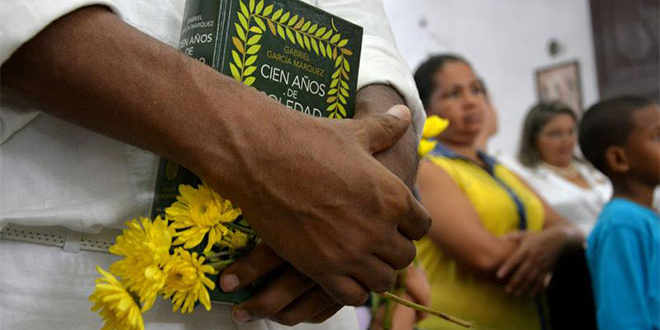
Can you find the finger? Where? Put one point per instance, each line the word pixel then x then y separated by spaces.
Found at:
pixel 417 222
pixel 523 278
pixel 376 275
pixel 278 294
pixel 383 130
pixel 398 253
pixel 514 236
pixel 417 286
pixel 539 285
pixel 247 269
pixel 513 261
pixel 403 317
pixel 326 314
pixel 305 308
pixel 344 290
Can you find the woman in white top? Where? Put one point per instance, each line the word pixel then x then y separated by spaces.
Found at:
pixel 547 161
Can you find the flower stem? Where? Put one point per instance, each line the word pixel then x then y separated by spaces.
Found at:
pixel 425 309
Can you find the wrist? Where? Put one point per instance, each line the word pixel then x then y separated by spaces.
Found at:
pixel 568 234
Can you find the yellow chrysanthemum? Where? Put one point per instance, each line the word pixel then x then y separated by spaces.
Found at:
pixel 425 146
pixel 433 126
pixel 115 304
pixel 145 239
pixel 198 212
pixel 146 247
pixel 186 281
pixel 234 239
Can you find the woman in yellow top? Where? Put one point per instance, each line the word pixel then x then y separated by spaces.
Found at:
pixel 493 242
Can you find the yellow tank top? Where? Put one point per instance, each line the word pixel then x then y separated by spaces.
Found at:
pixel 502 203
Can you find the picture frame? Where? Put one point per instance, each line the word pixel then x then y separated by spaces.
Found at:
pixel 561 82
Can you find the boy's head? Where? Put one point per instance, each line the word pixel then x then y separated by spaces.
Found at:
pixel 621 137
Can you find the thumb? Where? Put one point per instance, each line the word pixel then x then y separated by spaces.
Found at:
pixel 384 130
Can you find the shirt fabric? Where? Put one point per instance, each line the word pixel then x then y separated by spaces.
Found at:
pixel 56 173
pixel 576 204
pixel 502 203
pixel 623 255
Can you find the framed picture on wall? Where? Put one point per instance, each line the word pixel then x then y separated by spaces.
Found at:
pixel 561 82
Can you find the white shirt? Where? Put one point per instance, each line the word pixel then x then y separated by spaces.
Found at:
pixel 579 205
pixel 55 173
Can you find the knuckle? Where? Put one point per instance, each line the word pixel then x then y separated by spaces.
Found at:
pixel 262 308
pixel 407 254
pixel 385 282
pixel 288 319
pixel 354 298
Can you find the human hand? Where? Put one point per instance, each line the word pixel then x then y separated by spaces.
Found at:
pixel 529 267
pixel 316 195
pixel 418 289
pixel 309 187
pixel 288 298
pixel 401 159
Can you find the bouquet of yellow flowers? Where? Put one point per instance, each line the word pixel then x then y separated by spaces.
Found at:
pixel 175 257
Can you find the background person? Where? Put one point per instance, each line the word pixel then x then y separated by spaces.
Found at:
pixel 492 242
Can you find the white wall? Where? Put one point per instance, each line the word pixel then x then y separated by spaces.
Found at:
pixel 505 40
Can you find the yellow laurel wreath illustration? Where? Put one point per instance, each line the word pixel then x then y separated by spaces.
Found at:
pixel 324 41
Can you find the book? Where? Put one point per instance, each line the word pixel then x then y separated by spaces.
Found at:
pixel 303 57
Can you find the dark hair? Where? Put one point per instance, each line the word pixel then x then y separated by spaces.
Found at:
pixel 425 72
pixel 537 117
pixel 608 123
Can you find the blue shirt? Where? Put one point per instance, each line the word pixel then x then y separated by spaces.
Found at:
pixel 623 254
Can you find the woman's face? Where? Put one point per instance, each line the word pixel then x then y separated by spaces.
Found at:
pixel 556 140
pixel 459 97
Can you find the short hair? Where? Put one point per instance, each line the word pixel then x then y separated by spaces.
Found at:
pixel 608 123
pixel 537 117
pixel 425 72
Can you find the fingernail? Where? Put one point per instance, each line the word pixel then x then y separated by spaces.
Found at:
pixel 399 111
pixel 229 282
pixel 240 315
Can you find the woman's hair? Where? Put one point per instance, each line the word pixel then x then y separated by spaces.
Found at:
pixel 425 72
pixel 537 117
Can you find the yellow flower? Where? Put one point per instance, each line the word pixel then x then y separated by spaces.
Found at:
pixel 200 211
pixel 115 304
pixel 146 247
pixel 425 146
pixel 145 239
pixel 186 281
pixel 433 126
pixel 234 239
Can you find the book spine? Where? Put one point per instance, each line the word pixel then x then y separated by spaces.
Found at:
pixel 201 29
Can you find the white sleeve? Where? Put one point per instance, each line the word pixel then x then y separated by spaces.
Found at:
pixel 380 61
pixel 21 21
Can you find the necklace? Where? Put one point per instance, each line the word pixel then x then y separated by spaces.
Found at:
pixel 570 171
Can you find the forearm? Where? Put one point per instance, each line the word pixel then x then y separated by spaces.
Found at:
pixel 401 158
pixel 565 233
pixel 93 69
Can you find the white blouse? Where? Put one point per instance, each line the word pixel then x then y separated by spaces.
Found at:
pixel 579 205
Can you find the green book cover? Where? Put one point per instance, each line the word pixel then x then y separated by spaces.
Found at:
pixel 303 57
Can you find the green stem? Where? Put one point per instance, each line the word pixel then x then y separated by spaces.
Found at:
pixel 425 309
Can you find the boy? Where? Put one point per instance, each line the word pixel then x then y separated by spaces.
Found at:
pixel 621 137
